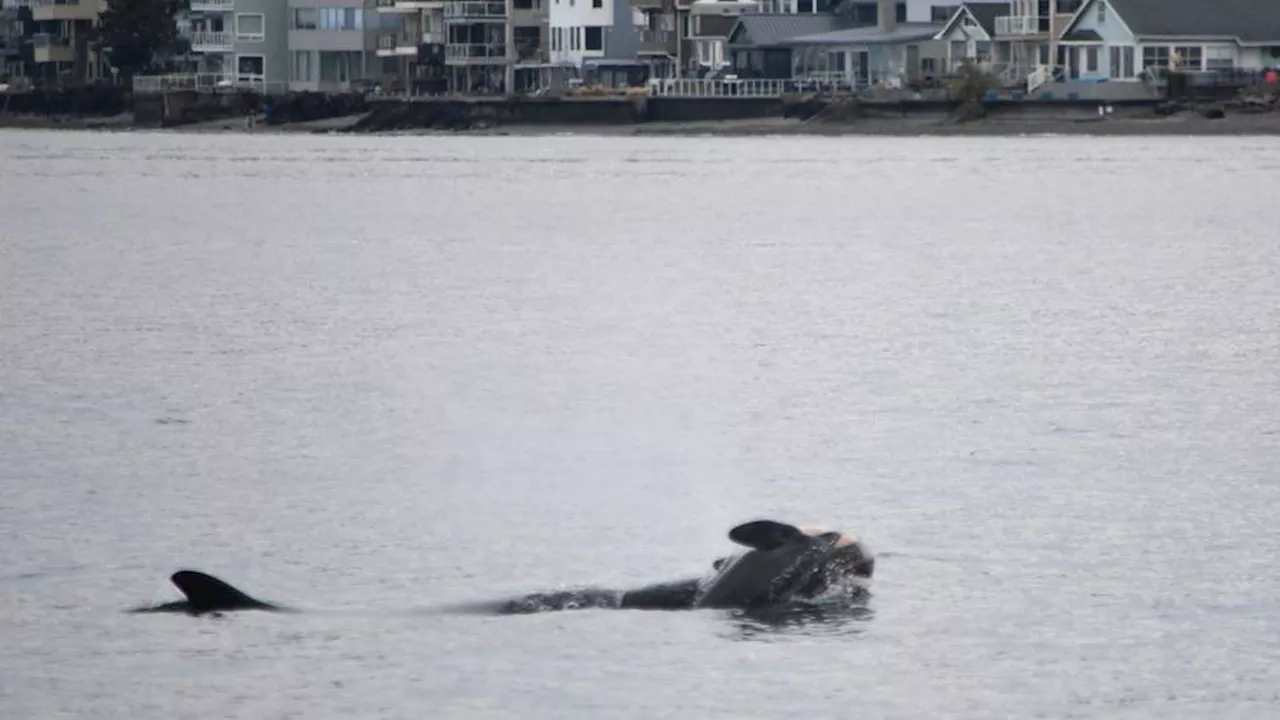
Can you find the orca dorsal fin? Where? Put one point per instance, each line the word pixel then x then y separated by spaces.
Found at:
pixel 766 534
pixel 206 593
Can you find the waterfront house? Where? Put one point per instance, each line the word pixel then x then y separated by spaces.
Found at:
pixel 713 20
pixel 759 45
pixel 969 35
pixel 1134 40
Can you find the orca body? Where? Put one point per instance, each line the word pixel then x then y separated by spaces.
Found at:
pixel 784 565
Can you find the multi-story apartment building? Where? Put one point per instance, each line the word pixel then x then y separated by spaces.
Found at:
pixel 60 47
pixel 244 41
pixel 410 43
pixel 15 40
pixel 488 43
pixel 332 44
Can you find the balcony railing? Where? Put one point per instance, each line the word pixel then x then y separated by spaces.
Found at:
pixel 211 41
pixel 492 52
pixel 717 88
pixel 398 44
pixel 213 5
pixel 393 6
pixel 478 9
pixel 656 41
pixel 206 82
pixel 45 40
pixel 1017 25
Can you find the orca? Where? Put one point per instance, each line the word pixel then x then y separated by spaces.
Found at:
pixel 784 565
pixel 207 594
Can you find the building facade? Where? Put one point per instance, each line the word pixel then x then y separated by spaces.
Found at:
pixel 245 42
pixel 60 41
pixel 16 59
pixel 332 44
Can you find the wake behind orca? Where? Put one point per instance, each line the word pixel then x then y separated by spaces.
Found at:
pixel 783 566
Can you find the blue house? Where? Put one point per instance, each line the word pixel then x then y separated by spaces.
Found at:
pixel 1129 40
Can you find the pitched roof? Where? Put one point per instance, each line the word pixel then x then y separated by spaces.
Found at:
pixel 1252 21
pixel 903 32
pixel 760 30
pixel 1089 36
pixel 986 13
pixel 983 13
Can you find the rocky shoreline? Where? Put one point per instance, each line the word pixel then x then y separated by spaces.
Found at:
pixel 1258 120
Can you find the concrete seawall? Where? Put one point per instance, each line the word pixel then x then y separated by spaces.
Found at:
pixel 477 113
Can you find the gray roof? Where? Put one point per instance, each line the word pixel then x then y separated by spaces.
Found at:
pixel 904 32
pixel 714 25
pixel 760 30
pixel 986 13
pixel 1252 21
pixel 1082 36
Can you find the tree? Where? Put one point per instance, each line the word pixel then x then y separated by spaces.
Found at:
pixel 134 33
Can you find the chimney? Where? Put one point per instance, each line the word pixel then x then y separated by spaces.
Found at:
pixel 886 15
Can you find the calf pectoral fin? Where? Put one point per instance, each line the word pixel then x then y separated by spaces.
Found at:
pixel 766 534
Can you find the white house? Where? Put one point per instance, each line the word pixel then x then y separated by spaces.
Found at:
pixel 1119 39
pixel 582 30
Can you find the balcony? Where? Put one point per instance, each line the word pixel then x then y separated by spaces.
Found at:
pixel 476 54
pixel 407 6
pixel 661 42
pixel 432 38
pixel 395 44
pixel 49 48
pixel 214 6
pixel 44 10
pixel 649 5
pixel 208 41
pixel 1017 25
pixel 455 10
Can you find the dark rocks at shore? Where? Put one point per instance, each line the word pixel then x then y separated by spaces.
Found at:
pixel 83 101
pixel 391 117
pixel 300 107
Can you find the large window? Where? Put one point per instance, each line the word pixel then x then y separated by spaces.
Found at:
pixel 1122 61
pixel 1190 57
pixel 592 38
pixel 302 69
pixel 1219 58
pixel 1155 56
pixel 250 27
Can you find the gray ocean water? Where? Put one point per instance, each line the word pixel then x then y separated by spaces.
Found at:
pixel 371 376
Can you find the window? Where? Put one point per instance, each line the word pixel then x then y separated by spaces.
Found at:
pixel 592 38
pixel 1122 61
pixel 1155 56
pixel 305 19
pixel 251 65
pixel 523 5
pixel 1189 57
pixel 928 65
pixel 301 70
pixel 1102 12
pixel 597 4
pixel 250 27
pixel 1091 59
pixel 341 19
pixel 1219 58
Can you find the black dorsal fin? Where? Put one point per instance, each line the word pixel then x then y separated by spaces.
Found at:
pixel 766 534
pixel 206 593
